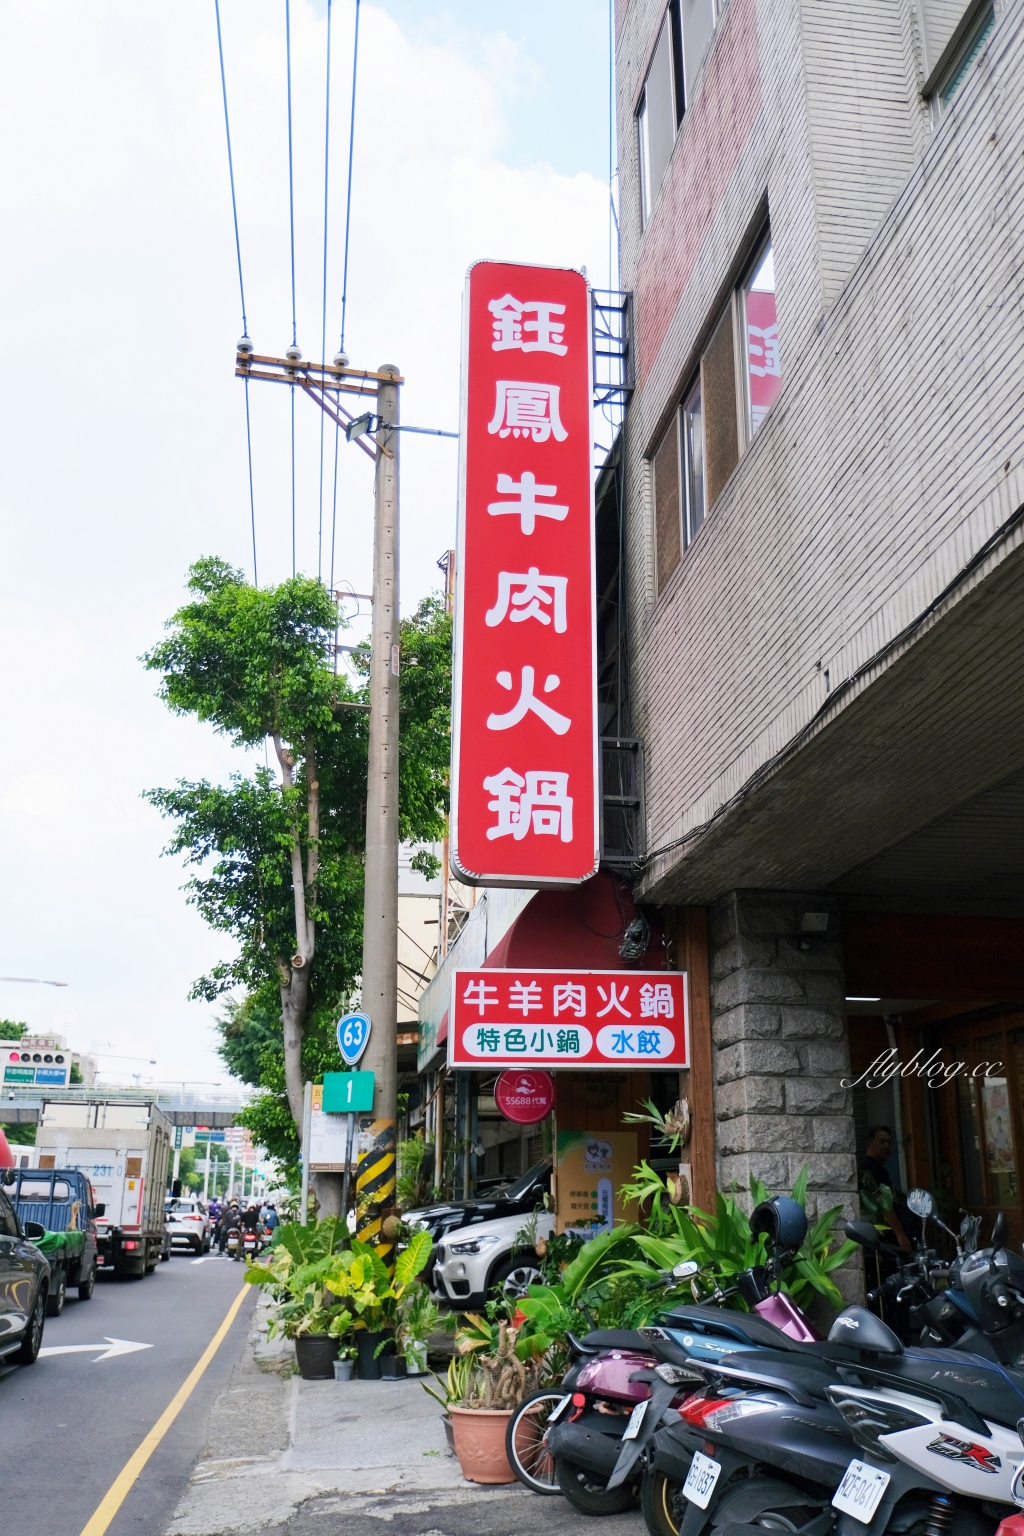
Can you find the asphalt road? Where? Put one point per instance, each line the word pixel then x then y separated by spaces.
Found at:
pixel 71 1421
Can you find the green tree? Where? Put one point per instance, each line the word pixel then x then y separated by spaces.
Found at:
pixel 280 863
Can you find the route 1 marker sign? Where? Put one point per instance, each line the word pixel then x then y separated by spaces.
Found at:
pixel 347 1093
pixel 353 1034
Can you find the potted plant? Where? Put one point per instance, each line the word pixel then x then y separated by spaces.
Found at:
pixel 371 1297
pixel 418 1318
pixel 490 1390
pixel 454 1390
pixel 297 1271
pixel 344 1362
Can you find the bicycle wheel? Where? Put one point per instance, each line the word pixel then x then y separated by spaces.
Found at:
pixel 528 1456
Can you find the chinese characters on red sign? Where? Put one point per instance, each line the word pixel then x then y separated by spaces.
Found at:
pixel 524 770
pixel 568 1019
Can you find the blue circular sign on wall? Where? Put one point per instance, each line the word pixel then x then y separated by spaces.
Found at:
pixel 353 1033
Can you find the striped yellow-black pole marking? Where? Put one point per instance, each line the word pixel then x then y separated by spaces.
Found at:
pixel 375 1182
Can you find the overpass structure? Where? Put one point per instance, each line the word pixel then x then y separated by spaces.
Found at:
pixel 182 1106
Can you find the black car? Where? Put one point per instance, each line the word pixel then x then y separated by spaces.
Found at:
pixel 24 1285
pixel 519 1198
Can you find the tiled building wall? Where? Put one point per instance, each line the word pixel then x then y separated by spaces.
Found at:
pixel 897 445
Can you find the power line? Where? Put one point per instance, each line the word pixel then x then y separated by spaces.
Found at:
pixel 323 312
pixel 348 195
pixel 231 167
pixel 291 227
pixel 291 165
pixel 344 277
pixel 241 284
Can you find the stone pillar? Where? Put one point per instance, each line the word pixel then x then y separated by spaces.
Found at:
pixel 781 1051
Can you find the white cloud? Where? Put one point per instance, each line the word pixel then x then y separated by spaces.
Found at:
pixel 122 431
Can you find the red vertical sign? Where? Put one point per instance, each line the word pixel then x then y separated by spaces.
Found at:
pixel 524 740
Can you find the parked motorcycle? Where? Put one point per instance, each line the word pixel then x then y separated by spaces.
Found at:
pixel 855 1435
pixel 587 1448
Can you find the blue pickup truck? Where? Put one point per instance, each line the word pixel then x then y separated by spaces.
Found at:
pixel 62 1201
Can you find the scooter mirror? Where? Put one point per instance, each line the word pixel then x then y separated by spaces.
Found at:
pixel 686 1270
pixel 1000 1231
pixel 864 1233
pixel 921 1202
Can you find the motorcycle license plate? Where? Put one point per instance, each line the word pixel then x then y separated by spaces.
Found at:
pixel 860 1492
pixel 636 1418
pixel 559 1408
pixel 701 1480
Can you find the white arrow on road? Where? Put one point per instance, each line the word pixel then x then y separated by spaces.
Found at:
pixel 111 1348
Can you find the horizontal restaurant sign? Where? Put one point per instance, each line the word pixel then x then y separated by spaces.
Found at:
pixel 504 1018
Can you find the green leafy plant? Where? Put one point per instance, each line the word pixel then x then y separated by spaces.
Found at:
pixel 455 1387
pixel 360 1278
pixel 875 1199
pixel 723 1245
pixel 418 1316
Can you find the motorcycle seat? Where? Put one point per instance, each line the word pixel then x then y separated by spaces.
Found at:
pixel 745 1327
pixel 614 1338
pixel 991 1390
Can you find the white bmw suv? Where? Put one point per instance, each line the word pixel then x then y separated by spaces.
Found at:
pixel 472 1262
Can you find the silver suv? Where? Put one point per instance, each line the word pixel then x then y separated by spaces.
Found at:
pixel 187 1224
pixel 474 1261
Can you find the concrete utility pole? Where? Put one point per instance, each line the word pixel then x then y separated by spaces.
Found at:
pixel 375 1175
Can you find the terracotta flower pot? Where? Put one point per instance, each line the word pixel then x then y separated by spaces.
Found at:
pixel 316 1354
pixel 480 1444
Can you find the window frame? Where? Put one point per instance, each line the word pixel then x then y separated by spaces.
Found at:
pixel 967 50
pixel 734 313
pixel 649 195
pixel 747 432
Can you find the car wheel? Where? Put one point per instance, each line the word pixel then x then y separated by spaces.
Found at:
pixel 514 1277
pixel 29 1350
pixel 86 1287
pixel 55 1300
pixel 197 1245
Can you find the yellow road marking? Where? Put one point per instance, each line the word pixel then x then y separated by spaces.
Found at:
pixel 122 1484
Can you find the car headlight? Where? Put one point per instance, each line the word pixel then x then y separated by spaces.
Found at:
pixel 474 1245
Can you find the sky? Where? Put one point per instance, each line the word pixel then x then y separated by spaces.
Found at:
pixel 481 130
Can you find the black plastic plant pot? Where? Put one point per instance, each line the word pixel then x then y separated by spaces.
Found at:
pixel 315 1354
pixel 392 1367
pixel 370 1363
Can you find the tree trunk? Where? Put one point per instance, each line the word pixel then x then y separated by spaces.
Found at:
pixel 295 972
pixel 294 1000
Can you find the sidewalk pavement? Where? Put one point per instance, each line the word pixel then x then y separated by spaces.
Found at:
pixel 279 1447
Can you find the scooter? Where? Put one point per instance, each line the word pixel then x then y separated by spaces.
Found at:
pixel 234 1242
pixel 868 1436
pixel 252 1244
pixel 630 1379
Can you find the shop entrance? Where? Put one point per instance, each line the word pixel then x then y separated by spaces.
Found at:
pixel 978 1119
pixel 943 994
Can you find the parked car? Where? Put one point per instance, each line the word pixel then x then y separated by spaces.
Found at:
pixel 24 1286
pixel 63 1203
pixel 475 1262
pixel 520 1198
pixel 188 1223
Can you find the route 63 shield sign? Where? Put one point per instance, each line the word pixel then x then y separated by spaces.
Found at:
pixel 353 1033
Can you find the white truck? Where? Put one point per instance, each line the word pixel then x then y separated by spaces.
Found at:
pixel 123 1147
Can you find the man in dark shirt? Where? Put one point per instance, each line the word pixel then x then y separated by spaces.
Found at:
pixel 877 1154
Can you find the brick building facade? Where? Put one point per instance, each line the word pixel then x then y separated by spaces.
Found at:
pixel 822 490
